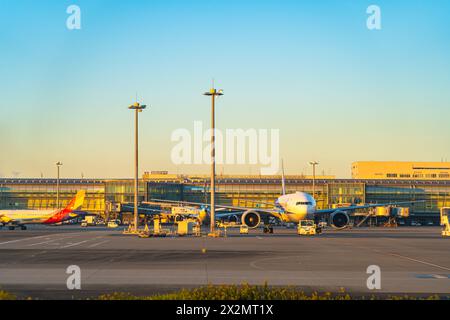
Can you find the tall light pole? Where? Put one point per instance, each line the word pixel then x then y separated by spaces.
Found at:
pixel 58 165
pixel 213 93
pixel 137 108
pixel 314 164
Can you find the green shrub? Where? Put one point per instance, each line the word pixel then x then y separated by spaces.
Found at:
pixel 254 292
pixel 7 296
pixel 234 292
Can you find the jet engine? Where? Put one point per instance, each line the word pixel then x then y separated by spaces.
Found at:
pixel 339 219
pixel 251 219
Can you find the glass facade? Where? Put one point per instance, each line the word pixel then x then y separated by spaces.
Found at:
pixel 435 196
pixel 340 193
pixel 122 191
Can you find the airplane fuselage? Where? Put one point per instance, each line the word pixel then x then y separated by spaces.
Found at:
pixel 28 216
pixel 296 206
pixel 51 216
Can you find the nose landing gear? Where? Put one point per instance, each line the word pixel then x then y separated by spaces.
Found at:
pixel 268 229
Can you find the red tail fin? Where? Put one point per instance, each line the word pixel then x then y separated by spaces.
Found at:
pixel 64 214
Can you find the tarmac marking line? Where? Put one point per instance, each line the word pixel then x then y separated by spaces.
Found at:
pixel 255 262
pixel 420 261
pixel 98 243
pixel 39 253
pixel 74 244
pixel 38 243
pixel 432 276
pixel 46 236
pixel 48 241
pixel 18 240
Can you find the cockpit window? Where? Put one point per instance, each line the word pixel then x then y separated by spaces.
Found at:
pixel 304 203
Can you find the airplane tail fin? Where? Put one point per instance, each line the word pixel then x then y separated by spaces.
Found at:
pixel 77 201
pixel 66 213
pixel 283 183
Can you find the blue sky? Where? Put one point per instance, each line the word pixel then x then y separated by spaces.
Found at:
pixel 337 91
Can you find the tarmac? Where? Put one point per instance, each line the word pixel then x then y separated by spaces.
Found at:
pixel 413 261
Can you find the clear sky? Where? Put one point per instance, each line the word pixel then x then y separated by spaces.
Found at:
pixel 337 91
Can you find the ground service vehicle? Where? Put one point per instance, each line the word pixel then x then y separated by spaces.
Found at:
pixel 113 224
pixel 445 213
pixel 88 221
pixel 307 228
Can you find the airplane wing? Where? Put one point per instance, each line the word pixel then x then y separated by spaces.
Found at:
pixel 81 213
pixel 144 210
pixel 372 205
pixel 260 202
pixel 272 212
pixel 235 208
pixel 276 213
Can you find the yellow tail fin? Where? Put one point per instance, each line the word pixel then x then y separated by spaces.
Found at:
pixel 77 202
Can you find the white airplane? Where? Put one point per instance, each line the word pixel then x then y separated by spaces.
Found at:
pixel 20 218
pixel 293 207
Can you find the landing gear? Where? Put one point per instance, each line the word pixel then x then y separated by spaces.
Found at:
pixel 268 229
pixel 13 227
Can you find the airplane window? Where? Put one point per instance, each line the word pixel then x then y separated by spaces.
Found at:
pixel 304 203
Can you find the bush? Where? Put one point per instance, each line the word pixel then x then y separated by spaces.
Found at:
pixel 6 295
pixel 234 292
pixel 252 292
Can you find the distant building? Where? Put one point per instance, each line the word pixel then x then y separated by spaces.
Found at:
pixel 401 170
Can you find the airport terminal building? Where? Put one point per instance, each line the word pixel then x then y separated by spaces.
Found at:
pixel 403 170
pixel 231 190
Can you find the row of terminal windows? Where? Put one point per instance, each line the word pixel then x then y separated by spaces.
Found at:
pixel 419 175
pixel 418 168
pixel 391 175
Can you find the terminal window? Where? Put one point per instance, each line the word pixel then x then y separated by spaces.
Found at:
pixel 391 175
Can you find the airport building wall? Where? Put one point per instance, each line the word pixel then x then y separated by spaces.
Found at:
pixel 122 191
pixel 395 170
pixel 41 193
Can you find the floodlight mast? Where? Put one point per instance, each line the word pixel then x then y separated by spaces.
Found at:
pixel 213 93
pixel 314 164
pixel 58 166
pixel 137 107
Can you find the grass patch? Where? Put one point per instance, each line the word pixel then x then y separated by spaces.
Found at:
pixel 7 296
pixel 245 292
pixel 251 292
